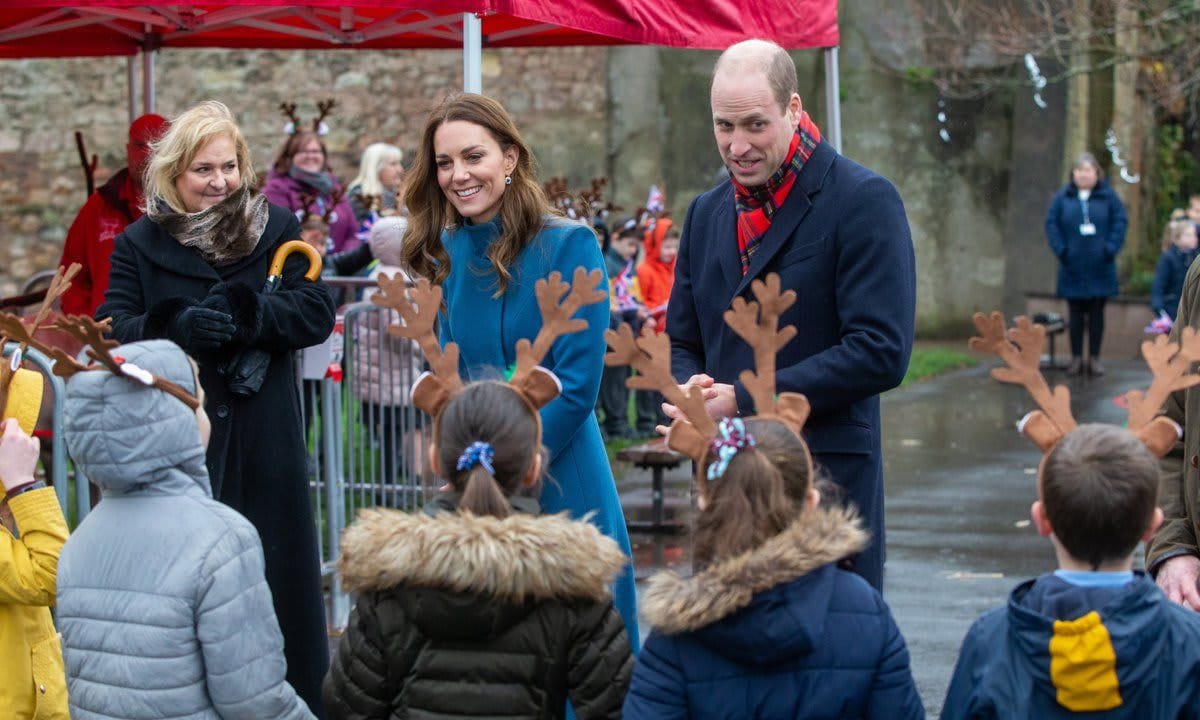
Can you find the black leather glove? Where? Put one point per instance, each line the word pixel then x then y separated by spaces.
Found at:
pixel 199 328
pixel 220 303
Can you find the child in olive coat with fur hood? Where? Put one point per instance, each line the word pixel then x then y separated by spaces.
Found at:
pixel 478 607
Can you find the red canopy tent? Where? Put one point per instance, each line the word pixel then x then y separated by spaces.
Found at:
pixel 62 28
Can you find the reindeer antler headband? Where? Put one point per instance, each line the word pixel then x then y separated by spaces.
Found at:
pixel 1021 350
pixel 84 329
pixel 418 307
pixel 757 322
pixel 324 107
pixel 21 389
pixel 87 331
pixel 328 215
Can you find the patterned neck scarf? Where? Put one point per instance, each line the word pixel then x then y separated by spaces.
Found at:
pixel 757 206
pixel 223 233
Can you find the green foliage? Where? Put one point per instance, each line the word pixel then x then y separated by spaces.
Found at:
pixel 1141 277
pixel 930 362
pixel 1177 175
pixel 919 74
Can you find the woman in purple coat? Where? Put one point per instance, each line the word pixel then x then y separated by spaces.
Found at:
pixel 302 169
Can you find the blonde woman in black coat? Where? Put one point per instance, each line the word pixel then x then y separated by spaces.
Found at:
pixel 190 271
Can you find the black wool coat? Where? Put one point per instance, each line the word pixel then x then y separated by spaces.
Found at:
pixel 256 457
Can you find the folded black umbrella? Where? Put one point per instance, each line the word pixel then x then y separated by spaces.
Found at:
pixel 247 369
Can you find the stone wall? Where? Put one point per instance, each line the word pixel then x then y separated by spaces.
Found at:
pixel 638 115
pixel 558 97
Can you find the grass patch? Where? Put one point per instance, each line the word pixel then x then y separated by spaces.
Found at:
pixel 931 362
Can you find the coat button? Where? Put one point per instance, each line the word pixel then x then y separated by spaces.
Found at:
pixel 222 411
pixel 42 689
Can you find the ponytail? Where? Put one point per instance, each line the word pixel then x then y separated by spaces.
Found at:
pixel 761 491
pixel 487 438
pixel 482 496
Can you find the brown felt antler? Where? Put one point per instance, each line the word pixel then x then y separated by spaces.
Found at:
pixel 92 333
pixel 335 197
pixel 324 107
pixel 418 307
pixel 289 110
pixel 12 327
pixel 1021 350
pixel 558 301
pixel 650 355
pixel 758 323
pixel 1170 364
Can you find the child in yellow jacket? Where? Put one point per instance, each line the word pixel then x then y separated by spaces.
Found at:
pixel 34 685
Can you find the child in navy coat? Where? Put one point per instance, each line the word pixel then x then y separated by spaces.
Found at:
pixel 771 627
pixel 1173 267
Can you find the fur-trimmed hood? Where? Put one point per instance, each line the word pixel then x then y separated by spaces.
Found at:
pixel 514 559
pixel 673 604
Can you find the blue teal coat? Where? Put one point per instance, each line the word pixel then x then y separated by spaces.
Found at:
pixel 1087 263
pixel 1004 668
pixel 487 330
pixel 1168 280
pixel 816 643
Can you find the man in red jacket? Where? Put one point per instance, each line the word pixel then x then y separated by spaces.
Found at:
pixel 114 205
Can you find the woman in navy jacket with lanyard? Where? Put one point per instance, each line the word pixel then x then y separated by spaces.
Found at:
pixel 1086 229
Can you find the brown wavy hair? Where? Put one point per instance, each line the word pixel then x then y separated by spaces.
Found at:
pixel 763 490
pixel 523 206
pixel 291 146
pixel 495 413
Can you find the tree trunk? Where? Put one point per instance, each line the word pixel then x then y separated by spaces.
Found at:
pixel 1125 125
pixel 1075 140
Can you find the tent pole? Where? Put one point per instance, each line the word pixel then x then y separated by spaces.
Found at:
pixel 472 53
pixel 833 99
pixel 147 81
pixel 131 84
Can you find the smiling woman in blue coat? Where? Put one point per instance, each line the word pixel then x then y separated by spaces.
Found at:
pixel 1086 229
pixel 474 175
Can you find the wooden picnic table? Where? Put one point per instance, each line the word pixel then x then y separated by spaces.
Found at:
pixel 657 457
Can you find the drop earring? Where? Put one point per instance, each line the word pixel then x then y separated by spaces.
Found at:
pixel 508 179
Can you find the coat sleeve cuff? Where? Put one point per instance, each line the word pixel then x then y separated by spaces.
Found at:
pixel 745 403
pixel 247 310
pixel 1156 564
pixel 158 319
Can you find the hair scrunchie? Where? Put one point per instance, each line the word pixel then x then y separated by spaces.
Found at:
pixel 477 453
pixel 731 439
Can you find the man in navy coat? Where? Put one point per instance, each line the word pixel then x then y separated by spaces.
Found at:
pixel 837 234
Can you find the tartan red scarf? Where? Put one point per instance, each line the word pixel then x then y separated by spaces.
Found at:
pixel 756 206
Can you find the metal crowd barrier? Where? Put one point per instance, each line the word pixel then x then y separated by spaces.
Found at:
pixel 57 472
pixel 367 444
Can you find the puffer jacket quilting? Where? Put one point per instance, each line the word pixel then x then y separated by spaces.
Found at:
pixel 162 601
pixel 462 616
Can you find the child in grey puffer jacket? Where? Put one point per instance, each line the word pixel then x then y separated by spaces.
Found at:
pixel 162 603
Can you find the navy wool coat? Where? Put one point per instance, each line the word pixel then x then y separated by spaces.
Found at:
pixel 1087 263
pixel 842 242
pixel 1168 280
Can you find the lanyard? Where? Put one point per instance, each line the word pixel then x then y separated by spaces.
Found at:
pixel 1084 204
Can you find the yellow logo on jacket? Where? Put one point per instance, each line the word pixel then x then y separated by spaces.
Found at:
pixel 1083 665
